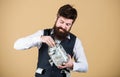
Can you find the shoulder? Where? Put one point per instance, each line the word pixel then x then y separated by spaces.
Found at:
pixel 47 31
pixel 72 36
pixel 77 40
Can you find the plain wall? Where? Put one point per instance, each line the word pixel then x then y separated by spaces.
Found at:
pixel 97 25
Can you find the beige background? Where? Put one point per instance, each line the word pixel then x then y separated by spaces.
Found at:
pixel 97 25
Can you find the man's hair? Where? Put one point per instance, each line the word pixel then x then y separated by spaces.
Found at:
pixel 67 11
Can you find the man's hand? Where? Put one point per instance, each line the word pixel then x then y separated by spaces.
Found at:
pixel 69 64
pixel 48 40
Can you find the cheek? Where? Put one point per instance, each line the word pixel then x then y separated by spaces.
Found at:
pixel 57 24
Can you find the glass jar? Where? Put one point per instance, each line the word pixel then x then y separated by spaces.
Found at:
pixel 58 54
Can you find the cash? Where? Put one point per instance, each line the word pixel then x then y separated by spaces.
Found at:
pixel 58 54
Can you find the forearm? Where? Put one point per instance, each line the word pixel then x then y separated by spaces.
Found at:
pixel 26 43
pixel 29 41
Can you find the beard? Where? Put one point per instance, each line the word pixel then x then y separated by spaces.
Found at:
pixel 60 34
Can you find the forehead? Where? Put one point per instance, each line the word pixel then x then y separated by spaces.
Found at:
pixel 66 20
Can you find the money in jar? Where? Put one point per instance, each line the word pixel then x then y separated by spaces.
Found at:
pixel 58 54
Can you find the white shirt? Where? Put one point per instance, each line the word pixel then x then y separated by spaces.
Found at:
pixel 80 64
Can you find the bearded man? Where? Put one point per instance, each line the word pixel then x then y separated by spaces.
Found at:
pixel 60 34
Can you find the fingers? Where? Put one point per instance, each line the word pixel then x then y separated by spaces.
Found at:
pixel 69 57
pixel 69 64
pixel 61 66
pixel 64 65
pixel 48 40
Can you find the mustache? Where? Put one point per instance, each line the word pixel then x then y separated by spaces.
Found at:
pixel 62 29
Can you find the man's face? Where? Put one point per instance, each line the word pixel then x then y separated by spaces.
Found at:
pixel 62 26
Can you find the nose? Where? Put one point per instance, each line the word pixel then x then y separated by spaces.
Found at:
pixel 64 26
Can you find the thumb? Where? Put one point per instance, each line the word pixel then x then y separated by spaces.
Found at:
pixel 69 56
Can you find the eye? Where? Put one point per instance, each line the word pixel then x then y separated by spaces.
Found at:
pixel 68 24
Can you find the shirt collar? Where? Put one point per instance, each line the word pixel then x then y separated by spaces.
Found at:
pixel 68 36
